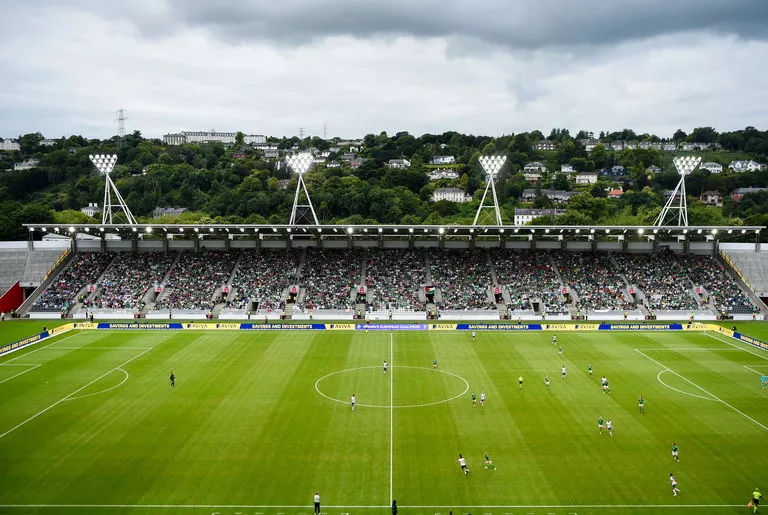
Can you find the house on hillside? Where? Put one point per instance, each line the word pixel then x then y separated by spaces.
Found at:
pixel 443 173
pixel 631 145
pixel 615 193
pixel 523 216
pixel 586 178
pixel 614 172
pixel 590 144
pixel 91 209
pixel 556 196
pixel 687 147
pixel 398 163
pixel 451 195
pixel 712 167
pixel 545 145
pixel 9 145
pixel 26 165
pixel 567 169
pixel 166 211
pixel 738 193
pixel 617 145
pixel 442 160
pixel 653 169
pixel 712 198
pixel 744 166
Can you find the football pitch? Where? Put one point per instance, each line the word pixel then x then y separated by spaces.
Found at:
pixel 259 421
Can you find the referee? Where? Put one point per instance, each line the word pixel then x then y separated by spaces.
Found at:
pixel 317 503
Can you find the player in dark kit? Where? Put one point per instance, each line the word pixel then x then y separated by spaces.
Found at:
pixel 173 380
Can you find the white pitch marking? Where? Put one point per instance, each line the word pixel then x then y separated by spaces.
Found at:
pixel 398 407
pixel 658 376
pixel 705 391
pixel 71 394
pixel 88 347
pixel 103 391
pixel 39 349
pixel 753 370
pixel 20 373
pixel 391 418
pixel 240 506
pixel 736 346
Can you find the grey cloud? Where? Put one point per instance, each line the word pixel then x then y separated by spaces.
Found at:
pixel 515 24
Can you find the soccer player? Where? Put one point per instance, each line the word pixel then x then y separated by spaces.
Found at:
pixel 488 462
pixel 482 399
pixel 463 464
pixel 434 363
pixel 173 380
pixel 385 367
pixel 764 381
pixel 473 336
pixel 560 350
pixel 353 401
pixel 546 381
pixel 673 482
pixel 604 383
pixel 474 400
pixel 554 339
pixel 589 369
pixel 675 452
pixel 317 503
pixel 756 496
pixel 563 371
pixel 641 404
pixel 609 426
pixel 520 382
pixel 600 423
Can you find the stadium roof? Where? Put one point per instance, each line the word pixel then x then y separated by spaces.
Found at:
pixel 423 231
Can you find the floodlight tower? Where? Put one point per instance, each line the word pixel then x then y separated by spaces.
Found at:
pixel 300 163
pixel 491 166
pixel 684 165
pixel 104 164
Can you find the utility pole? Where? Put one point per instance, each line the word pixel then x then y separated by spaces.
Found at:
pixel 302 130
pixel 121 118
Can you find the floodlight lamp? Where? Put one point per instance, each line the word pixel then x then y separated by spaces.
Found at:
pixel 516 230
pixel 714 231
pixel 699 231
pixel 197 229
pixel 300 163
pixel 607 231
pixel 211 229
pixel 730 231
pixel 655 231
pixel 592 231
pixel 546 231
pixel 181 229
pixel 57 229
pixel 471 231
pixel 256 230
pixel 578 231
pixel 335 230
pixel 32 229
pixel 365 229
pixel 45 230
pixel 288 229
pixel 426 230
pixel 501 231
pixel 441 230
pixel 104 163
pixel 686 164
pixel 743 231
pixel 134 229
pixel 410 230
pixel 149 229
pixel 640 231
pixel 242 230
pixel 685 231
pixel 318 230
pixel 87 229
pixel 274 229
pixel 492 164
pixel 350 230
pixel 381 230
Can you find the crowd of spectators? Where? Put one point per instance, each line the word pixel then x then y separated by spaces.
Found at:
pixel 661 278
pixel 463 278
pixel 66 289
pixel 328 277
pixel 195 279
pixel 594 279
pixel 528 275
pixel 128 278
pixel 394 278
pixel 263 276
pixel 724 291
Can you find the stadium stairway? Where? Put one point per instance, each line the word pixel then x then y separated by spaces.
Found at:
pixel 54 272
pixel 84 290
pixel 150 297
pixel 737 276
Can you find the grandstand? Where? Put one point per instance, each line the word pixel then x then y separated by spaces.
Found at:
pixel 341 273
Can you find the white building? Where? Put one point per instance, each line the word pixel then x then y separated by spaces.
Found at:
pixel 91 209
pixel 48 142
pixel 745 166
pixel 399 163
pixel 451 195
pixel 523 216
pixel 442 160
pixel 26 165
pixel 567 169
pixel 212 136
pixel 163 211
pixel 586 178
pixel 9 145
pixel 535 166
pixel 443 173
pixel 712 167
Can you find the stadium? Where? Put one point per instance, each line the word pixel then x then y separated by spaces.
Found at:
pixel 269 330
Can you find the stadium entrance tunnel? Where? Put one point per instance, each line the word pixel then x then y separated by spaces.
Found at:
pixel 401 387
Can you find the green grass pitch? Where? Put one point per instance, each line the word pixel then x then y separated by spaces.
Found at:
pixel 258 422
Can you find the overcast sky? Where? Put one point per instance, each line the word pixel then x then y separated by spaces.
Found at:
pixel 423 66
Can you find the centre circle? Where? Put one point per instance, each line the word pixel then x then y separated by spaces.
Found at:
pixel 401 387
